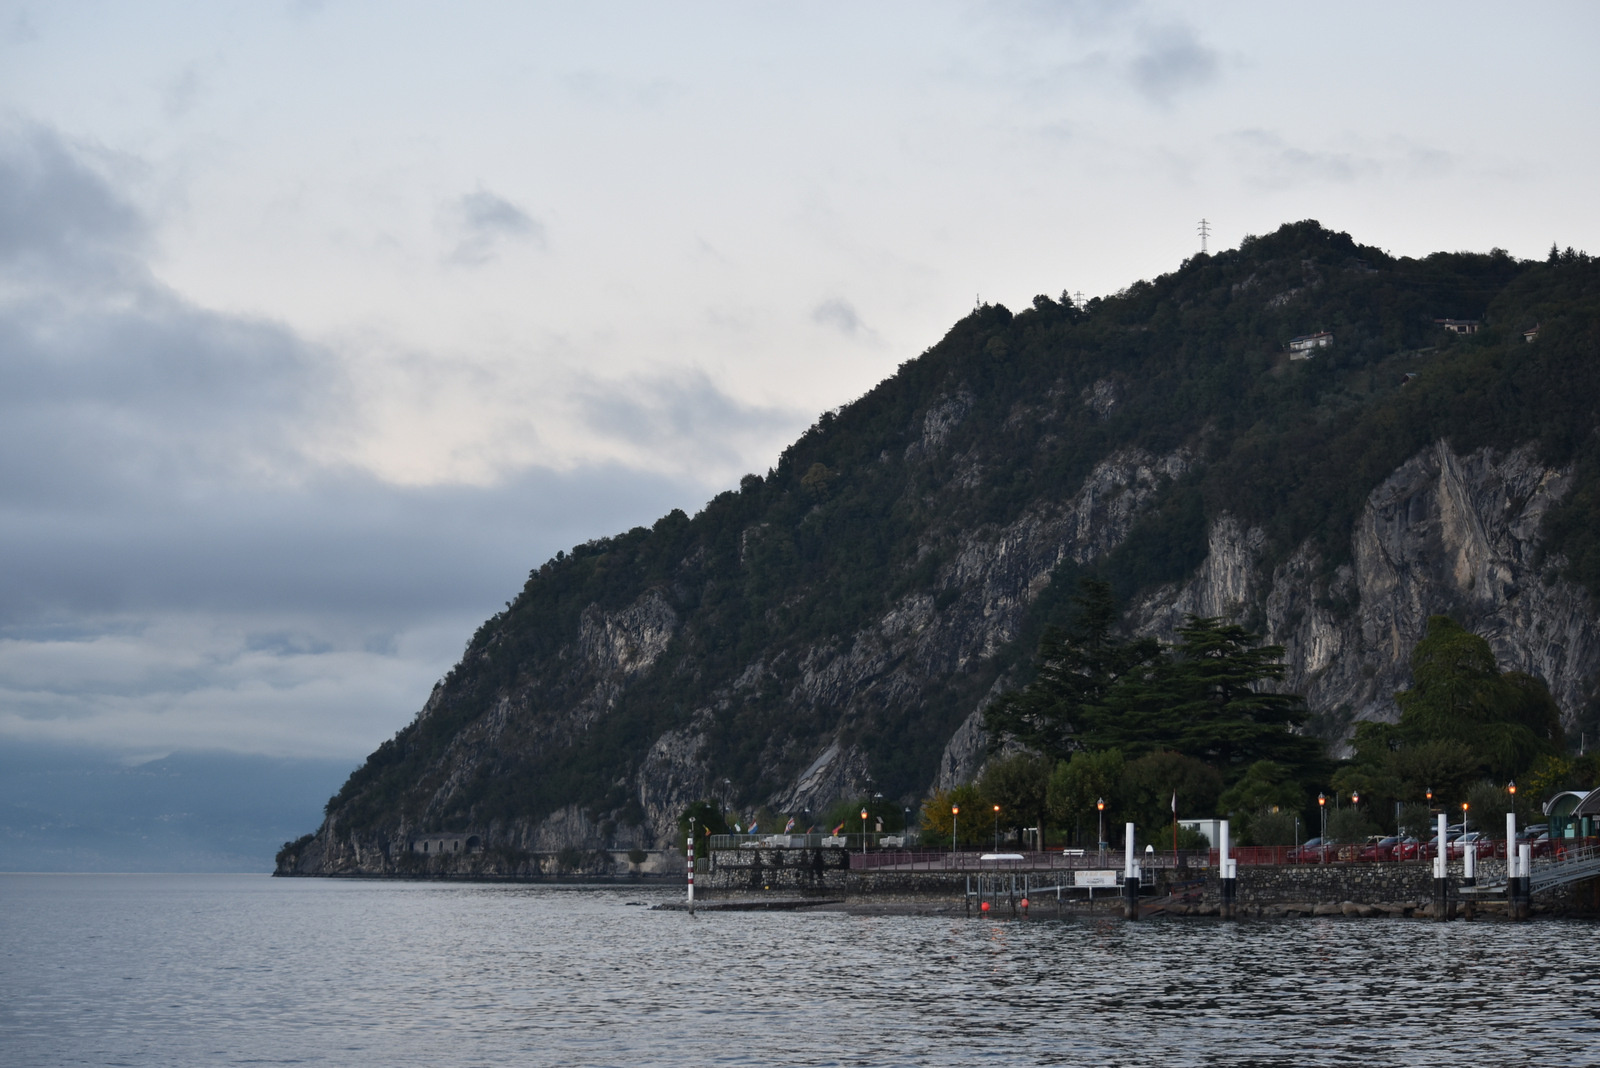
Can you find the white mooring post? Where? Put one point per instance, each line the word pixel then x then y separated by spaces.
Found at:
pixel 1130 877
pixel 1511 849
pixel 1524 902
pixel 1441 872
pixel 691 869
pixel 1227 872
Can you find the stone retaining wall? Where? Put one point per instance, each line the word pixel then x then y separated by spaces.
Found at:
pixel 1355 889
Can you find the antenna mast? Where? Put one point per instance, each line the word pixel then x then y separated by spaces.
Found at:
pixel 1205 232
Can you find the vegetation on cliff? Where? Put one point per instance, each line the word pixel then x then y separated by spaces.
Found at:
pixel 1009 410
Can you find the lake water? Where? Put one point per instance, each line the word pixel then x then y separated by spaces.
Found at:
pixel 221 970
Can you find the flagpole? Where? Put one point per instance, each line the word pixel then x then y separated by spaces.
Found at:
pixel 1174 829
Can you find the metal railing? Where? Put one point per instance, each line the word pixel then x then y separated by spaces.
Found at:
pixel 874 840
pixel 1047 860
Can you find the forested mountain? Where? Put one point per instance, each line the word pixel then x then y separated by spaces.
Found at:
pixel 835 626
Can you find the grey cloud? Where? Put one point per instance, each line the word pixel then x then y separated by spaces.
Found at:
pixel 110 383
pixel 1172 61
pixel 1274 163
pixel 179 95
pixel 839 314
pixel 686 417
pixel 483 221
pixel 57 214
pixel 174 565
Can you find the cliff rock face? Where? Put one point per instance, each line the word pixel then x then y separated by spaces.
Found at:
pixel 1443 534
pixel 836 628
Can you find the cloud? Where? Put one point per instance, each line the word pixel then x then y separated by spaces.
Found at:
pixel 482 222
pixel 840 315
pixel 1270 161
pixel 59 218
pixel 178 96
pixel 684 418
pixel 1172 61
pixel 181 569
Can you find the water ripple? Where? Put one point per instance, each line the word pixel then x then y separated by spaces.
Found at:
pixel 208 970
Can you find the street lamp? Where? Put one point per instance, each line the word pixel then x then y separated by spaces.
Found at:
pixel 1463 817
pixel 997 828
pixel 1322 807
pixel 955 814
pixel 1355 798
pixel 1430 799
pixel 863 830
pixel 1101 805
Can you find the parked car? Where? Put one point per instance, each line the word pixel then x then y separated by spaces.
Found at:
pixel 1431 849
pixel 1538 837
pixel 1313 851
pixel 1481 844
pixel 1379 848
pixel 1407 848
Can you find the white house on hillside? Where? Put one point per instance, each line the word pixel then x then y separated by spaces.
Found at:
pixel 1305 346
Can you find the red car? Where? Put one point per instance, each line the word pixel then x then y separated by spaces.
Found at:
pixel 1379 849
pixel 1430 849
pixel 1480 843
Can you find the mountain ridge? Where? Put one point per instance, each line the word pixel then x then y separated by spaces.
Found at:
pixel 835 626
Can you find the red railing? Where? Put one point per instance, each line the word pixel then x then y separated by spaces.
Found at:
pixel 1245 856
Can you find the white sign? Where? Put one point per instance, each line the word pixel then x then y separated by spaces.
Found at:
pixel 1097 878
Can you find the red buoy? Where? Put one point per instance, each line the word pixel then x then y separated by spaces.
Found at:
pixel 1024 902
pixel 984 907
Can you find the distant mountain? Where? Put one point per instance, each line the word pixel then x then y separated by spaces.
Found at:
pixel 71 810
pixel 835 627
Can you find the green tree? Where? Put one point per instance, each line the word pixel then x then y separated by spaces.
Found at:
pixel 848 812
pixel 1444 766
pixel 707 819
pixel 1507 721
pixel 1020 785
pixel 1350 824
pixel 1265 785
pixel 1078 785
pixel 1271 829
pixel 1150 783
pixel 937 818
pixel 1208 701
pixel 1077 671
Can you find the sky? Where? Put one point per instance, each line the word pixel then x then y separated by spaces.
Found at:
pixel 322 324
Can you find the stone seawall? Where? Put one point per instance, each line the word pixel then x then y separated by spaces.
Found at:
pixel 1335 889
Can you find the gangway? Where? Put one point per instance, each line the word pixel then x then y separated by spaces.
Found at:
pixel 1574 866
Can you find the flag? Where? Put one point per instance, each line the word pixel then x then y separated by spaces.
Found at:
pixel 736 828
pixel 754 829
pixel 1174 802
pixel 839 828
pixel 787 827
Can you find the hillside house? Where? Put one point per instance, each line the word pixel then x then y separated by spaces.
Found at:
pixel 1532 332
pixel 1306 345
pixel 1459 326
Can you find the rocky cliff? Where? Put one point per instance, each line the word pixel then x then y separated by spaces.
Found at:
pixel 836 627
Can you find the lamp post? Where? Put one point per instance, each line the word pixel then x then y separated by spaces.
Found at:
pixel 955 814
pixel 997 828
pixel 1463 817
pixel 1322 807
pixel 863 830
pixel 1101 805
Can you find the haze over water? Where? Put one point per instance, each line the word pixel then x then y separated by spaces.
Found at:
pixel 214 970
